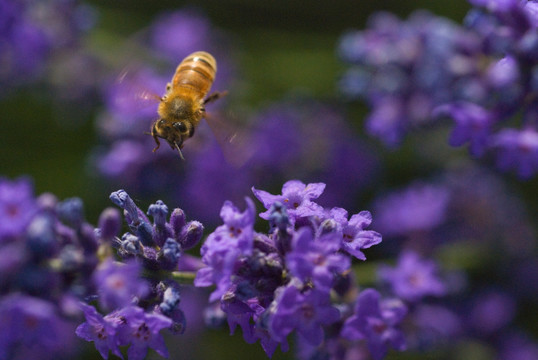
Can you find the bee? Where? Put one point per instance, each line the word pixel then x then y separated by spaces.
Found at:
pixel 182 107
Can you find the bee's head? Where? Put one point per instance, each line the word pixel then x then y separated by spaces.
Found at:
pixel 174 132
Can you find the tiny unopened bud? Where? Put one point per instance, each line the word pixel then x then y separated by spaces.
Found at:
pixel 71 211
pixel 159 212
pixel 177 220
pixel 191 235
pixel 109 223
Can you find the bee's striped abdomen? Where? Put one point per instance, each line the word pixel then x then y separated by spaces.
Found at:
pixel 197 71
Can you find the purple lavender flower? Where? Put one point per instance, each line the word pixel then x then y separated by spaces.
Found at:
pixel 238 226
pixel 296 196
pixel 224 246
pixel 316 259
pixel 413 278
pixel 119 284
pixel 141 331
pixel 473 124
pixel 304 312
pixel 103 331
pixel 376 321
pixel 354 235
pixel 17 207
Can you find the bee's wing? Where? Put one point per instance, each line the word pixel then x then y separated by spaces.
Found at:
pixel 233 139
pixel 135 91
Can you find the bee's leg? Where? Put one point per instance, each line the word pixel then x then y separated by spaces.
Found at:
pixel 214 96
pixel 157 142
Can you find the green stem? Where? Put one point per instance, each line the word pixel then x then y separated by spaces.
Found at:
pixel 183 277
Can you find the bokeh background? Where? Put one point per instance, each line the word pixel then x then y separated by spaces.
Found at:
pixel 283 60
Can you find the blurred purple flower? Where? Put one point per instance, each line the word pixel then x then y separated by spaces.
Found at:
pixel 517 149
pixel 180 33
pixel 291 137
pixel 376 321
pixel 208 172
pixel 419 207
pixel 473 124
pixel 34 325
pixel 437 321
pixel 413 278
pixel 479 74
pixel 491 311
pixel 403 69
pixel 495 5
pixel 119 284
pixel 31 31
pixel 17 207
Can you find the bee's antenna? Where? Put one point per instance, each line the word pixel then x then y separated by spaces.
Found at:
pixel 179 151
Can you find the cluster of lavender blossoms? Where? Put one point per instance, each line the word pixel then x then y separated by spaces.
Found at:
pixel 483 75
pixel 55 267
pixel 140 294
pixel 297 277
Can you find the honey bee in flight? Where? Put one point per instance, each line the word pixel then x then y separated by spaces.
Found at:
pixel 182 107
